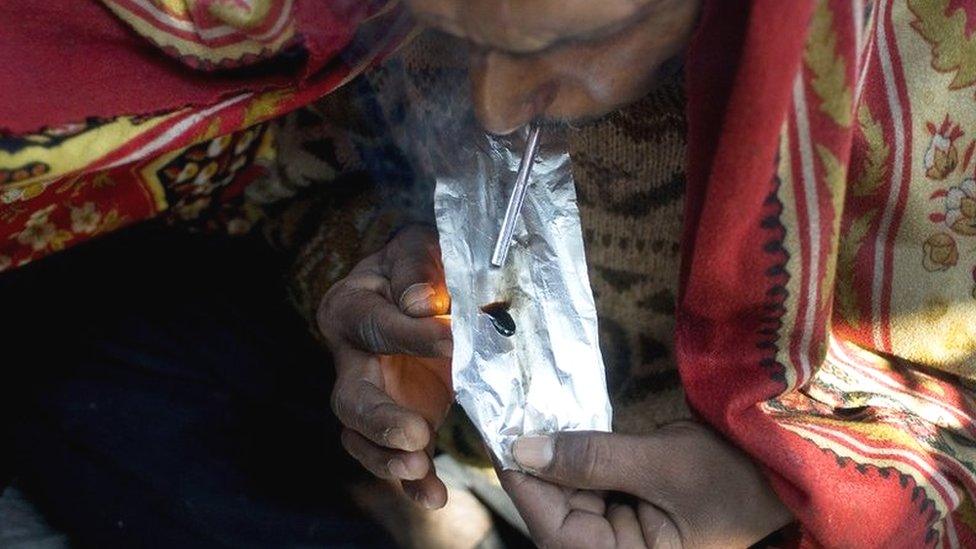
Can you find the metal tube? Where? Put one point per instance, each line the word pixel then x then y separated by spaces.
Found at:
pixel 515 201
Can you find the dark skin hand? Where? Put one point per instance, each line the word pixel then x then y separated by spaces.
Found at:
pixel 681 486
pixel 392 357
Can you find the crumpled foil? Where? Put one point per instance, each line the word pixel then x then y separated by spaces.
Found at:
pixel 549 375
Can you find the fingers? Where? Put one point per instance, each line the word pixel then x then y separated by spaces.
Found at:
pixel 412 262
pixel 429 492
pixel 384 311
pixel 363 407
pixel 423 299
pixel 588 500
pixel 626 527
pixel 415 470
pixel 587 460
pixel 528 25
pixel 369 322
pixel 383 305
pixel 552 520
pixel 695 487
pixel 384 462
pixel 542 505
pixel 658 530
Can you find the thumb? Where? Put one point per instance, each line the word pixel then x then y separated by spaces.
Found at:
pixel 586 460
pixel 412 263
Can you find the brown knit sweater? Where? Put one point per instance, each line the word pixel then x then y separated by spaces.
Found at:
pixel 629 173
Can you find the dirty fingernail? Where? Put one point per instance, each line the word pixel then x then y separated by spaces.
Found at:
pixel 417 298
pixel 419 497
pixel 668 537
pixel 533 452
pixel 425 502
pixel 395 437
pixel 397 468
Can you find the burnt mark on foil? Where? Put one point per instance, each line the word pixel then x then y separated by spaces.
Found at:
pixel 500 319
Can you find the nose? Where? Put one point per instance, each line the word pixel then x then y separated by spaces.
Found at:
pixel 578 80
pixel 509 92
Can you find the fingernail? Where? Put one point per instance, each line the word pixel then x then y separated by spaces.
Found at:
pixel 660 530
pixel 396 437
pixel 668 537
pixel 417 297
pixel 425 502
pixel 397 468
pixel 420 498
pixel 533 452
pixel 444 348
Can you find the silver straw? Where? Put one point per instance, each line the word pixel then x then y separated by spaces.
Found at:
pixel 504 241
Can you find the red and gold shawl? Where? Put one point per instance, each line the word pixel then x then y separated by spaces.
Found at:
pixel 122 110
pixel 827 320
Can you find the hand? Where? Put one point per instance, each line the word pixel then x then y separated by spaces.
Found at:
pixel 561 59
pixel 686 486
pixel 392 357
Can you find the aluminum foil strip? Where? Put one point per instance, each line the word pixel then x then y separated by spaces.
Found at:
pixel 548 375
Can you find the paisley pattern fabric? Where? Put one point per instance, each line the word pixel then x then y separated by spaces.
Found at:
pixel 212 33
pixel 826 317
pixel 69 182
pixel 825 299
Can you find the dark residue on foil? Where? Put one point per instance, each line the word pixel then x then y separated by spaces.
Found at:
pixel 500 317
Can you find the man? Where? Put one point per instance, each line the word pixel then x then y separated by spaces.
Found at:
pixel 737 299
pixel 776 239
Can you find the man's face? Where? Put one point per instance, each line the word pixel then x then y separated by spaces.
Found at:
pixel 561 59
